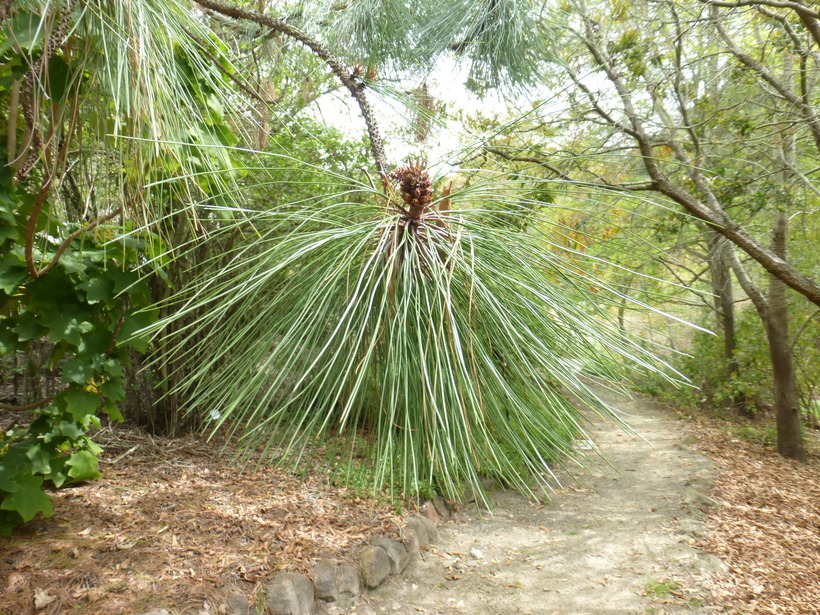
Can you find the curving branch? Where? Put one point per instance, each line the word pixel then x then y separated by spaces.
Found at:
pixel 345 75
pixel 67 241
pixel 797 7
pixel 806 110
pixel 38 404
pixel 708 211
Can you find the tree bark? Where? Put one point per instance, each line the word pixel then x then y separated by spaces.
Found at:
pixel 724 298
pixel 724 306
pixel 786 399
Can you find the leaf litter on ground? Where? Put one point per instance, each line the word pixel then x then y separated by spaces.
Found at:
pixel 767 526
pixel 172 523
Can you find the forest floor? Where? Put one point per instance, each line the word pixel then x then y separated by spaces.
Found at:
pixel 665 530
pixel 689 519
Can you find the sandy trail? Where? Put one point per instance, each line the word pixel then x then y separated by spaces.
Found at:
pixel 618 543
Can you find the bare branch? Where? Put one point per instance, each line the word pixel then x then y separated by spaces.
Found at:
pixel 806 110
pixel 345 75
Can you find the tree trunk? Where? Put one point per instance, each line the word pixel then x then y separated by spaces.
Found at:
pixel 724 299
pixel 786 405
pixel 724 306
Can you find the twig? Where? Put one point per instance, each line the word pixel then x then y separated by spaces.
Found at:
pixel 124 455
pixel 67 241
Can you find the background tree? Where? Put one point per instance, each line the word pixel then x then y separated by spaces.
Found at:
pixel 711 128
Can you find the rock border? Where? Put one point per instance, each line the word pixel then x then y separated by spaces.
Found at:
pixel 341 583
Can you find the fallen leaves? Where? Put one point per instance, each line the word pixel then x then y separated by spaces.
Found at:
pixel 768 529
pixel 176 522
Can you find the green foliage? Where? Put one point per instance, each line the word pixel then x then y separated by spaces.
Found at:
pixel 707 368
pixel 79 306
pixel 498 39
pixel 760 435
pixel 451 350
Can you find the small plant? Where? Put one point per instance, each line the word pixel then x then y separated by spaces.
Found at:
pixel 661 588
pixel 766 436
pixel 82 305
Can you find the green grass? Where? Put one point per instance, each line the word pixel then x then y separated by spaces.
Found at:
pixel 661 588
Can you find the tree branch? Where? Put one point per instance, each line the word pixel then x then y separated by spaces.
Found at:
pixel 806 111
pixel 630 187
pixel 67 241
pixel 800 9
pixel 711 213
pixel 345 75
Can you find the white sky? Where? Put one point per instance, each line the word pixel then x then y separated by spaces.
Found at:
pixel 445 84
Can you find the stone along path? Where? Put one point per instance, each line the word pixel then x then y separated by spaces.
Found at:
pixel 618 541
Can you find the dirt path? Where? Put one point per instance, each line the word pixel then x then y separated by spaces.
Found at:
pixel 619 543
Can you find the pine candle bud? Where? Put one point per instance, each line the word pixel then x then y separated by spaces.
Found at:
pixel 415 188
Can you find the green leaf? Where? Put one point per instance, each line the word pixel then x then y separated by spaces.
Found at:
pixel 77 370
pixel 28 327
pixel 58 474
pixel 8 226
pixel 65 325
pixel 28 498
pixel 136 321
pixel 81 403
pixel 73 262
pixel 111 409
pixel 8 342
pixel 25 30
pixel 99 289
pixel 83 466
pixel 113 367
pixel 112 389
pixel 70 430
pixel 127 281
pixel 40 459
pixel 94 344
pixel 92 447
pixel 59 78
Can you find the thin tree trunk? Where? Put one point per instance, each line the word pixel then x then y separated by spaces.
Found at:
pixel 724 298
pixel 11 125
pixel 724 306
pixel 786 404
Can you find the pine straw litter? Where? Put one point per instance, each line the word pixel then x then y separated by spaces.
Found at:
pixel 172 523
pixel 767 526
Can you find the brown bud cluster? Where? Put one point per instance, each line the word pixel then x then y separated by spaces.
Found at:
pixel 415 188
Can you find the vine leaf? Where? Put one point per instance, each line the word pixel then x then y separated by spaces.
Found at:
pixel 81 403
pixel 77 370
pixel 27 499
pixel 83 466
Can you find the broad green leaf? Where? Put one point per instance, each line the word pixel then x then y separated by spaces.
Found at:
pixel 113 390
pixel 136 321
pixel 8 341
pixel 28 499
pixel 98 289
pixel 113 367
pixel 92 447
pixel 59 78
pixel 83 466
pixel 8 226
pixel 112 410
pixel 66 326
pixel 77 370
pixel 40 459
pixel 25 30
pixel 94 344
pixel 81 403
pixel 70 430
pixel 28 327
